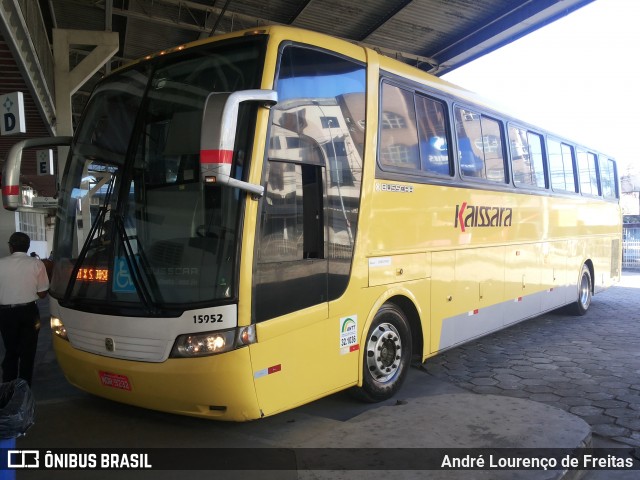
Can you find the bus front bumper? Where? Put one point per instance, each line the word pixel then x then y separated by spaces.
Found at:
pixel 218 387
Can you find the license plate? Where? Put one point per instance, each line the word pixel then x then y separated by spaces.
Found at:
pixel 114 380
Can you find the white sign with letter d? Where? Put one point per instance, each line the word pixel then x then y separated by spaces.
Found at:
pixel 12 119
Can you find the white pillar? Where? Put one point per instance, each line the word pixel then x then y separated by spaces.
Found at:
pixel 68 81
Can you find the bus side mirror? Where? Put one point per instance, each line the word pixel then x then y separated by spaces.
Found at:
pixel 217 139
pixel 11 170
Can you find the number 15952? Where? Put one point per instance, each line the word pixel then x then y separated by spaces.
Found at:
pixel 208 318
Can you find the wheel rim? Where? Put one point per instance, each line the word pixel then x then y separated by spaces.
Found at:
pixel 584 294
pixel 384 351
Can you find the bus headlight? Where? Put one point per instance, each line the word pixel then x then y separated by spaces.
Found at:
pixel 57 327
pixel 211 343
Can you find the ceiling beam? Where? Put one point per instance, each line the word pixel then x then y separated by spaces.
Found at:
pixel 404 56
pixel 384 19
pixel 215 11
pixel 219 19
pixel 159 20
pixel 303 4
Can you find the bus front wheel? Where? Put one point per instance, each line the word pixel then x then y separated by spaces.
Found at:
pixel 387 355
pixel 585 289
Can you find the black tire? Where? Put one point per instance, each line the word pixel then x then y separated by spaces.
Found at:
pixel 585 291
pixel 387 355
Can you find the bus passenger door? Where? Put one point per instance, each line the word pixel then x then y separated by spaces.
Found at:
pixel 307 228
pixel 290 288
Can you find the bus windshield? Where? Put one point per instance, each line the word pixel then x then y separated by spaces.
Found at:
pixel 137 229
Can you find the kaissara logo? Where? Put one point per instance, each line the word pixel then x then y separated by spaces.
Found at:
pixel 482 216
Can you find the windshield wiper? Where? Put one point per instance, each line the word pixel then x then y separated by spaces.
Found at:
pixel 98 224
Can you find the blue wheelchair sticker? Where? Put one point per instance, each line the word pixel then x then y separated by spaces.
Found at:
pixel 122 281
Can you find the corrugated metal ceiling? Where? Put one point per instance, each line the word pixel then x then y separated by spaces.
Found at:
pixel 426 28
pixel 435 35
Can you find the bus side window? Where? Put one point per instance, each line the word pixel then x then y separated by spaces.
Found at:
pixel 536 159
pixel 398 131
pixel 556 165
pixel 587 173
pixel 569 167
pixel 480 142
pixel 467 127
pixel 561 166
pixel 492 148
pixel 608 177
pixel 527 160
pixel 432 131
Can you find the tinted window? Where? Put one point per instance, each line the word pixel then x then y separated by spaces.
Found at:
pixel 608 177
pixel 561 166
pixel 526 157
pixel 155 238
pixel 569 169
pixel 398 131
pixel 432 133
pixel 588 174
pixel 479 146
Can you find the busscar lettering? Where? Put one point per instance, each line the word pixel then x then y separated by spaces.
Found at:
pixel 393 188
pixel 468 216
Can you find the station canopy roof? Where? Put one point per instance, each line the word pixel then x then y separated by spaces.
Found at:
pixel 435 35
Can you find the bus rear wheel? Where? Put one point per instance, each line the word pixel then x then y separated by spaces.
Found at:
pixel 585 289
pixel 387 355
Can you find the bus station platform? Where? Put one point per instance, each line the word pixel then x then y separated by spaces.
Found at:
pixel 460 399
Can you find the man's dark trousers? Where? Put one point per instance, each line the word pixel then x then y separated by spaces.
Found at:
pixel 19 327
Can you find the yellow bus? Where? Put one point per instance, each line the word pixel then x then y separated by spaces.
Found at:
pixel 254 221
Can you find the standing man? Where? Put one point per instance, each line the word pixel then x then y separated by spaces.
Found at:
pixel 22 280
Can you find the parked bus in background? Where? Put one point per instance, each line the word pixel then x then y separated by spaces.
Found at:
pixel 254 221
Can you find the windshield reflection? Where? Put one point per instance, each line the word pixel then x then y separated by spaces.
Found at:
pixel 137 229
